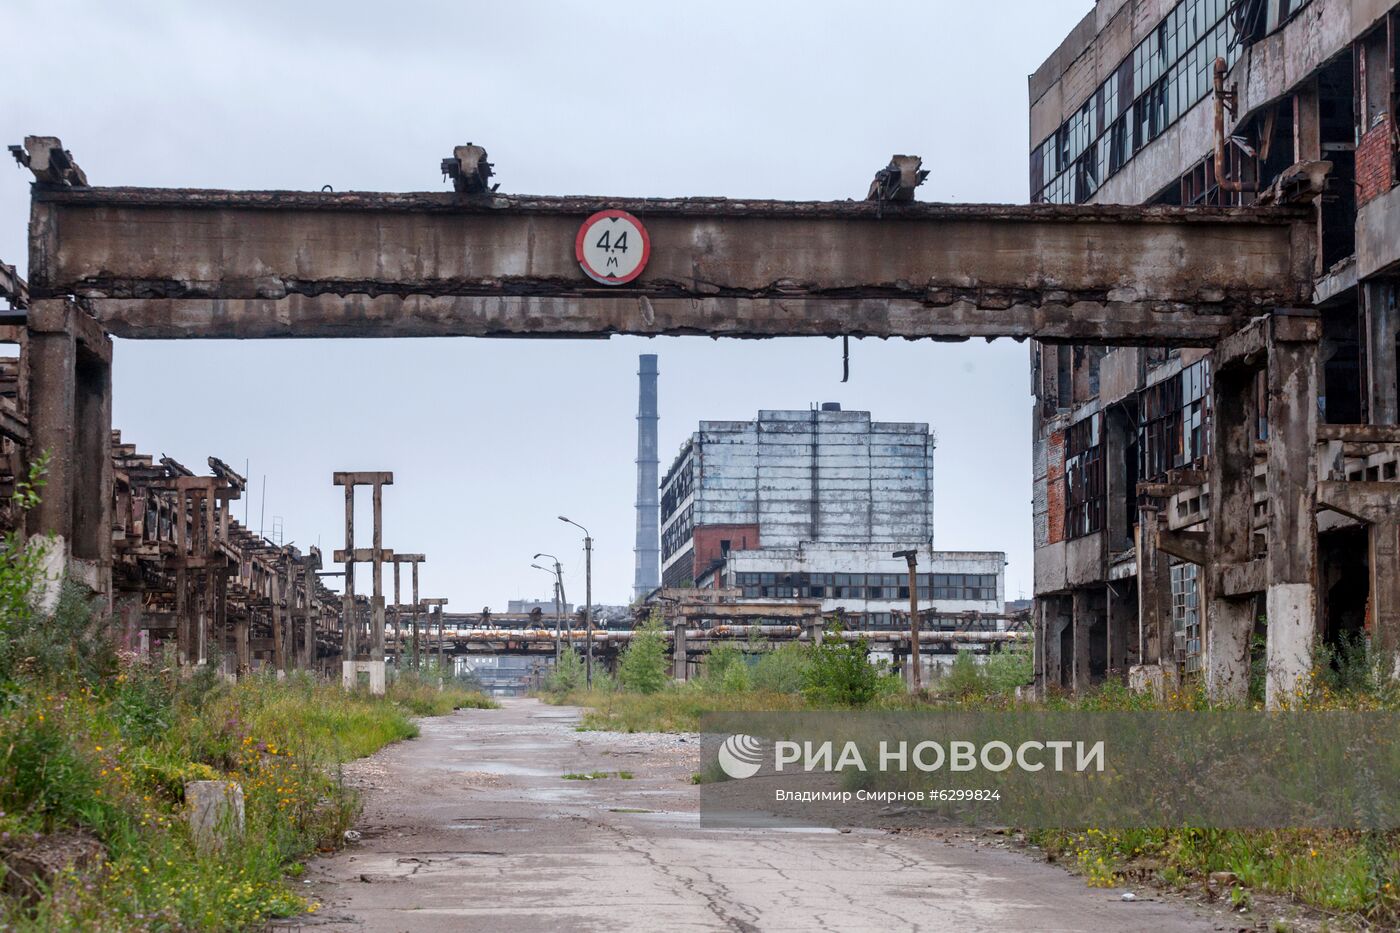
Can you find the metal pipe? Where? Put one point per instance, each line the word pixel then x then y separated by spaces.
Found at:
pixel 725 632
pixel 1221 97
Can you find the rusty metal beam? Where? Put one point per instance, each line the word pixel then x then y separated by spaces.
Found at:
pixel 163 263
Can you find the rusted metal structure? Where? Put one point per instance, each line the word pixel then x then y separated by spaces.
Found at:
pixel 204 264
pixel 187 575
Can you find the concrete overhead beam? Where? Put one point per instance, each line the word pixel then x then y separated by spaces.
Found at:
pixel 163 263
pixel 1372 502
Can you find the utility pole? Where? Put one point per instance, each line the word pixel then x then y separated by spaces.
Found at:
pixel 563 601
pixel 588 595
pixel 916 682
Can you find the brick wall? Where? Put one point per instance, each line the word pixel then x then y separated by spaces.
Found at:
pixel 708 538
pixel 1055 485
pixel 1373 162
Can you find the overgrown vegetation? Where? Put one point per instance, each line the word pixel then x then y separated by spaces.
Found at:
pixel 96 750
pixel 1355 876
pixel 741 676
pixel 643 666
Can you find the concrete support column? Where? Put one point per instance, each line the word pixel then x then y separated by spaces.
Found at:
pixel 1082 620
pixel 1154 576
pixel 1118 434
pixel 184 650
pixel 70 418
pixel 1229 621
pixel 1122 629
pixel 1307 132
pixel 92 489
pixel 52 360
pixel 1382 322
pixel 442 641
pixel 1384 546
pixel 1038 649
pixel 1090 636
pixel 279 659
pixel 1292 493
pixel 680 656
pixel 243 659
pixel 1057 620
pixel 417 658
pixel 202 614
pixel 377 598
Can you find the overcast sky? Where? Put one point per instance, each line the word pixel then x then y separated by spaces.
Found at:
pixel 490 440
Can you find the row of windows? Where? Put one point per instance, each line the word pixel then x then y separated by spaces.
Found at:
pixel 676 534
pixel 938 586
pixel 674 494
pixel 1166 75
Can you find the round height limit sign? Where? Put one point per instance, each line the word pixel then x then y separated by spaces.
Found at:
pixel 612 247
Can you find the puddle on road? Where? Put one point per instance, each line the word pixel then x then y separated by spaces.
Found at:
pixel 692 818
pixel 502 768
pixel 488 826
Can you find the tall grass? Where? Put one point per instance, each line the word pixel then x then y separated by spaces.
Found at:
pixel 111 760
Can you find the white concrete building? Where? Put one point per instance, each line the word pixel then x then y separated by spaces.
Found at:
pixel 813 504
pixel 867 583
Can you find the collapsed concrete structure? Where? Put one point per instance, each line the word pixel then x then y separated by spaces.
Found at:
pixel 197 264
pixel 1193 501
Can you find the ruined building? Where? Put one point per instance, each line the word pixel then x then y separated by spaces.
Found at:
pixel 1214 102
pixel 812 504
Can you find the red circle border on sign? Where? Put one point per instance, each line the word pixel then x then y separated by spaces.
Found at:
pixel 593 273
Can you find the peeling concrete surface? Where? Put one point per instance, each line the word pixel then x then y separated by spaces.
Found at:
pixel 472 827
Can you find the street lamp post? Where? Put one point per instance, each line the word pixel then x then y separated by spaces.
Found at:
pixel 588 595
pixel 563 598
pixel 558 615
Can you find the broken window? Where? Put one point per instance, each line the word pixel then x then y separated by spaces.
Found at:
pixel 1085 500
pixel 979 587
pixel 1173 423
pixel 1167 74
pixel 1186 617
pixel 677 486
pixel 678 533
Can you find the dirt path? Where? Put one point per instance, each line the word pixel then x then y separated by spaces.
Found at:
pixel 472 827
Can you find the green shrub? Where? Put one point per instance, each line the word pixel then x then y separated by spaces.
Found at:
pixel 781 669
pixel 726 670
pixel 643 665
pixel 840 672
pixel 568 674
pixel 964 677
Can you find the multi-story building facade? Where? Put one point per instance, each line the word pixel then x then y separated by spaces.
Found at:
pixel 1209 102
pixel 813 504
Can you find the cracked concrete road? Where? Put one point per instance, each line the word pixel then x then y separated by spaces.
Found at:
pixel 472 827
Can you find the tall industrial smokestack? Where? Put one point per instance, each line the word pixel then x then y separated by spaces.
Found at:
pixel 648 549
